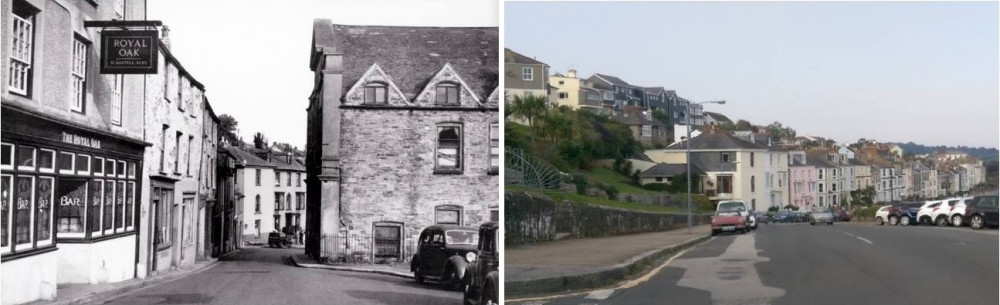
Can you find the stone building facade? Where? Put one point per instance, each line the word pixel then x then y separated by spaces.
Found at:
pixel 403 133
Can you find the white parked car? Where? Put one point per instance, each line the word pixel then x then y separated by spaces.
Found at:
pixel 882 215
pixel 957 212
pixel 740 206
pixel 924 216
pixel 941 215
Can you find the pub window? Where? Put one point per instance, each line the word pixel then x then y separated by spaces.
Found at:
pixel 46 160
pixel 447 94
pixel 448 214
pixel 82 165
pixel 79 75
pixel 131 170
pixel 43 210
pixel 6 190
pixel 375 93
pixel 23 222
pixel 110 167
pixel 25 158
pixel 117 86
pixel 96 196
pixel 98 166
pixel 449 149
pixel 22 48
pixel 109 207
pixel 129 206
pixel 120 207
pixel 7 156
pixel 494 148
pixel 72 208
pixel 65 162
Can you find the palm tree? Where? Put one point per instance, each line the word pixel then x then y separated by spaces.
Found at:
pixel 529 108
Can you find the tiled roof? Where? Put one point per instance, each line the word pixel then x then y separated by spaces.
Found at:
pixel 655 90
pixel 246 158
pixel 670 170
pixel 718 116
pixel 278 161
pixel 637 119
pixel 613 80
pixel 411 56
pixel 715 139
pixel 511 57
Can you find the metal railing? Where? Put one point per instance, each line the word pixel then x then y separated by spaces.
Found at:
pixel 364 248
pixel 523 169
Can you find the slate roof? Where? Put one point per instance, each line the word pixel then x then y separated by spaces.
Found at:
pixel 511 57
pixel 718 116
pixel 716 139
pixel 637 120
pixel 670 170
pixel 818 158
pixel 246 158
pixel 655 90
pixel 613 80
pixel 278 161
pixel 412 55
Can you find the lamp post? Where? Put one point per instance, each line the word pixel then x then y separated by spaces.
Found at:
pixel 687 143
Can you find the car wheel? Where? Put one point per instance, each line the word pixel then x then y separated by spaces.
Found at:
pixel 956 220
pixel 830 223
pixel 812 223
pixel 714 232
pixel 976 222
pixel 879 221
pixel 904 221
pixel 468 296
pixel 489 297
pixel 941 221
pixel 893 220
pixel 744 230
pixel 418 276
pixel 453 282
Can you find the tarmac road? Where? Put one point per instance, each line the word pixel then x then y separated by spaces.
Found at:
pixel 839 264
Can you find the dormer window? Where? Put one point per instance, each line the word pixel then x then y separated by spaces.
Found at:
pixel 375 93
pixel 447 94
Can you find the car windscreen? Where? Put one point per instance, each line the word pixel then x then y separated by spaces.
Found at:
pixel 732 205
pixel 821 210
pixel 461 237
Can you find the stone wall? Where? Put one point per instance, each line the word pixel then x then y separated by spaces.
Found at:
pixel 531 218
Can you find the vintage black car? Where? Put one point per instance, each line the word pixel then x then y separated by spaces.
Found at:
pixel 443 252
pixel 278 240
pixel 482 278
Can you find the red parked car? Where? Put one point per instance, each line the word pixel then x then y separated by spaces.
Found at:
pixel 729 221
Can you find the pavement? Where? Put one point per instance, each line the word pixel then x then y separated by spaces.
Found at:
pixel 399 270
pixel 796 263
pixel 71 294
pixel 587 263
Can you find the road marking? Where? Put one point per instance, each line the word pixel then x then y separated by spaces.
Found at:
pixel 731 277
pixel 629 284
pixel 865 240
pixel 849 234
pixel 600 294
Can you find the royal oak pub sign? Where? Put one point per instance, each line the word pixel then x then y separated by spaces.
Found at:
pixel 129 52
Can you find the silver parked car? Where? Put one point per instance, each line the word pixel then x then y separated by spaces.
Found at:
pixel 821 214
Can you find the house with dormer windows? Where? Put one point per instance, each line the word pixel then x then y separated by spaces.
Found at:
pixel 403 133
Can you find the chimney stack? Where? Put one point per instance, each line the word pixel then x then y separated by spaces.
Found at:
pixel 571 73
pixel 165 38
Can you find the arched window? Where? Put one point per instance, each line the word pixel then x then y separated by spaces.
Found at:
pixel 447 94
pixel 375 93
pixel 257 205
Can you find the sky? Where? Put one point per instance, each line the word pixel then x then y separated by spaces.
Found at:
pixel 253 55
pixel 925 72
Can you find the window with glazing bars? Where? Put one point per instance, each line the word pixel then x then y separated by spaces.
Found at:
pixel 79 75
pixel 116 98
pixel 22 48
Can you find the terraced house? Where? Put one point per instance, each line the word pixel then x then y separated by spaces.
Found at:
pixel 524 76
pixel 403 133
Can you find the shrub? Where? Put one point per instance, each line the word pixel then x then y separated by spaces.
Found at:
pixel 772 209
pixel 580 180
pixel 610 190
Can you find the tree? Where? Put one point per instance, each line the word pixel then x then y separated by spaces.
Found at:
pixel 744 125
pixel 227 129
pixel 529 108
pixel 259 141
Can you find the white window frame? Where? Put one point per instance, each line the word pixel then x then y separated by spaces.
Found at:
pixel 110 172
pixel 528 74
pixel 90 165
pixel 117 99
pixel 78 76
pixel 494 146
pixel 34 158
pixel 376 91
pixel 22 44
pixel 120 184
pixel 54 161
pixel 9 163
pixel 10 213
pixel 94 161
pixel 112 205
pixel 31 223
pixel 130 172
pixel 72 163
pixel 127 196
pixel 99 210
pixel 52 194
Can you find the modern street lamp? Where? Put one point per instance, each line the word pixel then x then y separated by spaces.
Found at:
pixel 688 144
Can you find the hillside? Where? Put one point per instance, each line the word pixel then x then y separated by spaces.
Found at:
pixel 981 153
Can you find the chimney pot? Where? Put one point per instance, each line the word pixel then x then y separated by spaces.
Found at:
pixel 571 73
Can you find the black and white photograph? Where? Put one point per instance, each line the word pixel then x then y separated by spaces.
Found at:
pixel 250 152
